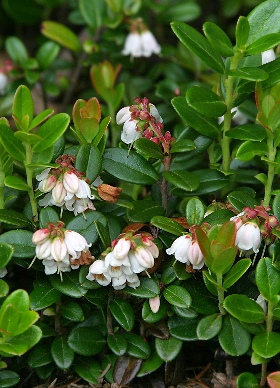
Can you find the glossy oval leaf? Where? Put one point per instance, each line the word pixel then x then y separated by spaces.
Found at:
pixel 240 199
pixel 218 39
pixel 207 126
pixel 267 278
pixel 21 241
pixel 209 326
pixel 248 150
pixel 86 341
pixel 264 43
pixel 61 34
pixel 184 180
pixel 88 160
pixel 168 349
pixel 70 285
pixel 23 104
pixel 233 338
pixel 244 308
pixel 117 343
pixel 11 144
pixel 123 313
pixel 144 210
pixel 62 354
pixel 137 346
pixel 148 148
pixel 148 288
pixel 129 166
pixel 168 225
pixel 236 272
pixel 242 31
pixel 249 73
pixel 194 211
pixel 177 296
pixel 199 45
pixel 266 344
pixel 16 183
pixel 205 101
pixel 43 295
pixel 252 132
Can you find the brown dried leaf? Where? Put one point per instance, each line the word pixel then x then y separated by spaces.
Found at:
pixel 126 368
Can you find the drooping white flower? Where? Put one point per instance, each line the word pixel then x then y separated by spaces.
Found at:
pixel 268 56
pixel 99 272
pixel 4 81
pixel 179 248
pixel 248 237
pixel 195 256
pixel 130 133
pixel 141 44
pixel 57 248
pixel 122 248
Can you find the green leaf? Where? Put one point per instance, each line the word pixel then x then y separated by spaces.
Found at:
pixel 62 354
pixel 123 313
pixel 16 50
pixel 40 355
pixel 137 346
pixel 86 341
pixel 51 131
pixel 42 116
pixel 266 344
pixel 88 160
pixel 21 241
pixel 16 183
pixel 26 319
pixel 8 378
pixel 6 253
pixel 209 326
pixel 218 217
pixel 28 138
pixel 264 20
pixel 183 328
pixel 185 12
pixel 48 214
pixel 264 43
pixel 218 39
pixel 236 272
pixel 184 180
pixel 242 31
pixel 9 319
pixel 129 166
pixel 233 338
pixel 267 278
pixel 47 53
pixel 203 302
pixel 87 226
pixel 205 101
pixel 274 76
pixel 194 211
pixel 148 148
pixel 247 380
pixel 168 225
pixel 88 369
pixel 148 288
pixel 248 150
pixel 72 311
pixel 150 365
pixel 240 199
pixel 43 295
pixel 252 132
pixel 149 316
pixel 276 206
pixel 23 105
pixel 182 145
pixel 249 73
pixel 92 12
pixel 61 34
pixel 19 299
pixel 177 296
pixel 207 126
pixel 11 144
pixel 197 44
pixel 144 210
pixel 20 344
pixel 117 343
pixel 168 349
pixel 244 308
pixel 70 285
pixel 4 288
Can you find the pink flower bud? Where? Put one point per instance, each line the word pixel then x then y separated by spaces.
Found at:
pixel 195 256
pixel 59 249
pixel 144 257
pixel 58 193
pixel 154 304
pixel 40 236
pixel 47 184
pixel 122 248
pixel 71 182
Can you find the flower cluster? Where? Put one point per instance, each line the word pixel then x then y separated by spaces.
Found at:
pixel 140 42
pixel 128 256
pixel 142 120
pixel 186 250
pixel 65 187
pixel 252 225
pixel 59 248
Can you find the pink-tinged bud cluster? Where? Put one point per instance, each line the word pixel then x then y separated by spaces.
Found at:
pixel 140 42
pixel 253 224
pixel 57 247
pixel 143 120
pixel 65 187
pixel 186 250
pixel 128 256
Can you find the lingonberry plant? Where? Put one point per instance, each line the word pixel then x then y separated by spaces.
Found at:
pixel 136 227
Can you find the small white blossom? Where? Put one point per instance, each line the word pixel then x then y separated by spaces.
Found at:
pixel 268 56
pixel 248 237
pixel 57 248
pixel 179 248
pixel 141 44
pixel 4 81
